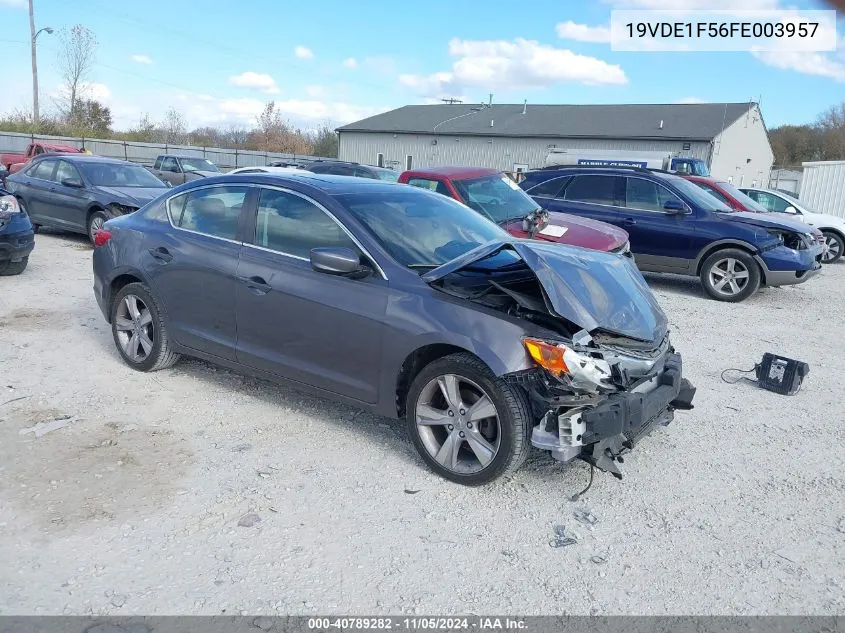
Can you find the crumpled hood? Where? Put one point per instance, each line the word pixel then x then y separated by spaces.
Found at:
pixel 132 196
pixel 767 221
pixel 592 289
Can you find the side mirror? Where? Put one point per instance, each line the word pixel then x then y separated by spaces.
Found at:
pixel 3 173
pixel 72 182
pixel 790 209
pixel 674 206
pixel 338 261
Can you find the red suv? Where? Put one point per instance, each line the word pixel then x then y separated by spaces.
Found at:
pixel 496 196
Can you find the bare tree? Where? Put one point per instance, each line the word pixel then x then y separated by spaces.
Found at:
pixel 174 126
pixel 274 134
pixel 77 51
pixel 236 135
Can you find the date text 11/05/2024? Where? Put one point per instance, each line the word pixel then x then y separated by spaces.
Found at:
pixel 421 623
pixel 688 30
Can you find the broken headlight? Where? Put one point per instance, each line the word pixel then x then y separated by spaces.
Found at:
pixel 790 239
pixel 582 371
pixel 8 207
pixel 121 209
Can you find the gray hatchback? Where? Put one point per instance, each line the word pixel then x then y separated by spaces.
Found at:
pixel 400 301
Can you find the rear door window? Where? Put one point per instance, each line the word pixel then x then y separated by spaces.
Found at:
pixel 213 211
pixel 594 189
pixel 42 170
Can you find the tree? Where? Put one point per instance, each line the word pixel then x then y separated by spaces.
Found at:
pixel 94 117
pixel 174 127
pixel 793 144
pixel 236 136
pixel 831 127
pixel 324 141
pixel 77 51
pixel 274 134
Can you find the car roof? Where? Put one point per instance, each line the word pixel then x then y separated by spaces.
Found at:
pixel 328 183
pixel 593 170
pixel 85 158
pixel 58 147
pixel 269 169
pixel 455 172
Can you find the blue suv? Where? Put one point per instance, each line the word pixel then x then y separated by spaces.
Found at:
pixel 676 227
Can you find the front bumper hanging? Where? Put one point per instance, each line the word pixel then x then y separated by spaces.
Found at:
pixel 601 434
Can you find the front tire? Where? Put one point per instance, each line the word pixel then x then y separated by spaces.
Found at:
pixel 95 223
pixel 139 331
pixel 835 247
pixel 468 425
pixel 730 275
pixel 9 268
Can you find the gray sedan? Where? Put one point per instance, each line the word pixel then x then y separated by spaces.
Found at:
pixel 400 301
pixel 79 192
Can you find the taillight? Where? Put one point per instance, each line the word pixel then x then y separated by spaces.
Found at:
pixel 101 237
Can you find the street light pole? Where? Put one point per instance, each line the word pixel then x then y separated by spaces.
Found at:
pixel 34 35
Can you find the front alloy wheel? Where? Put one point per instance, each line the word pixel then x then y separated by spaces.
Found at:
pixel 730 275
pixel 467 424
pixel 835 246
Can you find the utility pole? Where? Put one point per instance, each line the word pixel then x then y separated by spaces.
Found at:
pixel 34 36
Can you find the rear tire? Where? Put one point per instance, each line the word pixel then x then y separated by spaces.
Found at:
pixel 139 332
pixel 479 433
pixel 9 268
pixel 835 246
pixel 730 275
pixel 95 223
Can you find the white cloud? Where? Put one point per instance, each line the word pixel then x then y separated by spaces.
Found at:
pixel 315 91
pixel 303 53
pixel 142 59
pixel 583 33
pixel 350 62
pixel 12 3
pixel 807 63
pixel 690 5
pixel 691 100
pixel 257 81
pixel 520 63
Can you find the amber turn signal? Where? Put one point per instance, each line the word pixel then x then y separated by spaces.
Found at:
pixel 546 355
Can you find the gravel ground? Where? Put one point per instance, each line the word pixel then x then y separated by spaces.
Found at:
pixel 133 507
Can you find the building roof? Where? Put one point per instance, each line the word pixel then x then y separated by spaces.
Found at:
pixel 688 121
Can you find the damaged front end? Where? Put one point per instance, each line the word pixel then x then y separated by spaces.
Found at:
pixel 605 373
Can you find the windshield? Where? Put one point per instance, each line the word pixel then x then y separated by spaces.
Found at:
pixel 198 164
pixel 386 174
pixel 119 175
pixel 419 228
pixel 496 196
pixel 698 196
pixel 749 203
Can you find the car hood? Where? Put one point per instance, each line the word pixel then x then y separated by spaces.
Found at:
pixel 205 173
pixel 585 232
pixel 767 221
pixel 824 218
pixel 134 196
pixel 591 289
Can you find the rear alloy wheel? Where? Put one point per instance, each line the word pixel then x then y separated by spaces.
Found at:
pixel 730 275
pixel 835 247
pixel 139 331
pixel 468 425
pixel 95 223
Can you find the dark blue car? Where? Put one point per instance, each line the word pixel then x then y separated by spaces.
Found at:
pixel 16 235
pixel 79 192
pixel 676 227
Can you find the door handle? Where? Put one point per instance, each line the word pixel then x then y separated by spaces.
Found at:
pixel 629 221
pixel 161 254
pixel 257 285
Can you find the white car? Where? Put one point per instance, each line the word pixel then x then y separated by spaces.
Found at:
pixel 267 170
pixel 831 226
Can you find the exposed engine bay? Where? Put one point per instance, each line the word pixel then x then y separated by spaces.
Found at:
pixel 605 372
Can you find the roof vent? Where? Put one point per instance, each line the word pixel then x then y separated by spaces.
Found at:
pixel 491 122
pixel 660 125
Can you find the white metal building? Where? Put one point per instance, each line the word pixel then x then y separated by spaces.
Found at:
pixel 731 137
pixel 823 186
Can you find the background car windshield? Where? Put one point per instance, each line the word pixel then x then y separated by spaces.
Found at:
pixel 497 197
pixel 117 175
pixel 198 164
pixel 748 203
pixel 386 174
pixel 698 196
pixel 418 227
